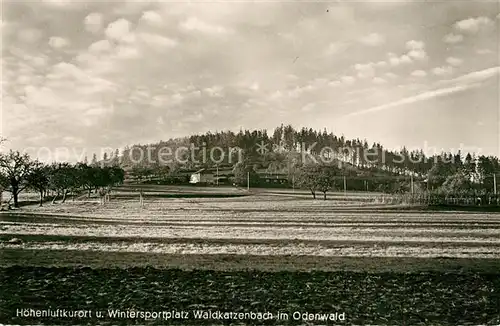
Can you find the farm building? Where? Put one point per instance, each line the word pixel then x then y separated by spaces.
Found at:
pixel 210 176
pixel 274 179
pixel 202 176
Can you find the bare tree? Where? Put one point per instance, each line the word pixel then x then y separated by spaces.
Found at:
pixel 15 168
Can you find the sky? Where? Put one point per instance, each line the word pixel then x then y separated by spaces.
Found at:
pixel 91 75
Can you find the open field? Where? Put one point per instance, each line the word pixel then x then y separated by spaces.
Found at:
pixel 271 250
pixel 263 223
pixel 365 298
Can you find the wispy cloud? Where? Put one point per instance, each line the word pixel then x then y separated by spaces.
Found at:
pixel 118 29
pixel 373 39
pixel 419 73
pixel 413 99
pixel 442 71
pixel 93 22
pixel 473 77
pixel 58 42
pixel 453 38
pixel 452 61
pixel 474 25
pixel 456 85
pixel 152 18
pixel 197 25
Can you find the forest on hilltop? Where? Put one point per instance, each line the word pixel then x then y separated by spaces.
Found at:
pixel 284 155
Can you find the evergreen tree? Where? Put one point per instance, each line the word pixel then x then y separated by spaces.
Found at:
pixel 94 160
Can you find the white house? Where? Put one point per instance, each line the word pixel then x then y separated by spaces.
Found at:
pixel 202 177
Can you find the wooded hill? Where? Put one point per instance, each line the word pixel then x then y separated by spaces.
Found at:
pixel 286 150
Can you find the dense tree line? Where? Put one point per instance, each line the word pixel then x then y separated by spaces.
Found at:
pixel 18 172
pixel 285 140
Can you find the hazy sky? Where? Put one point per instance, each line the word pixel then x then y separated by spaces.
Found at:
pixel 94 74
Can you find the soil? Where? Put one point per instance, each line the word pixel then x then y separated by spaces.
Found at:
pixel 416 298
